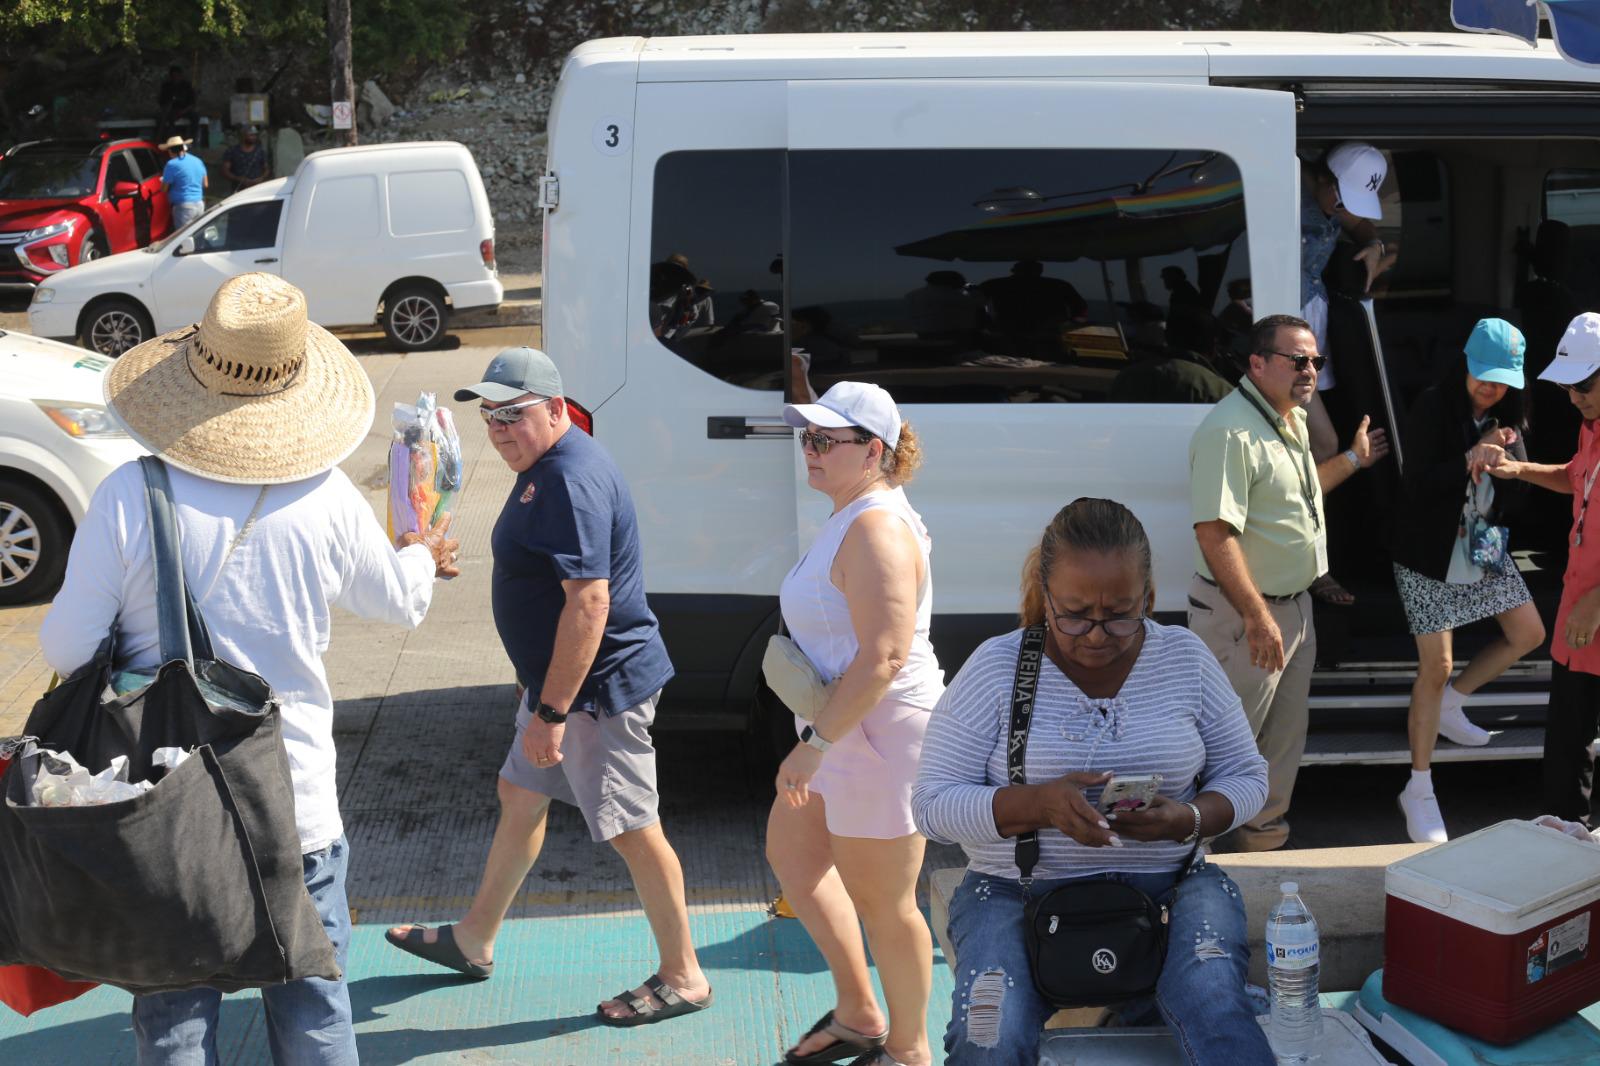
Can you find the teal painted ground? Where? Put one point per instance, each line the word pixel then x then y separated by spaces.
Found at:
pixel 537 1010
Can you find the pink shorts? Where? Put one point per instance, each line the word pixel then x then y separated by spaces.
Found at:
pixel 866 777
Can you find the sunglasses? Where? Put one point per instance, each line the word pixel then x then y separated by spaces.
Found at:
pixel 510 414
pixel 1072 625
pixel 1316 362
pixel 1585 385
pixel 822 443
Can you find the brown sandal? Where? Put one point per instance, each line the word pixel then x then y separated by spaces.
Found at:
pixel 847 1043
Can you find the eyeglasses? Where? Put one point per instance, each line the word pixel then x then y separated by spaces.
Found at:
pixel 1316 362
pixel 1585 385
pixel 1072 625
pixel 510 414
pixel 822 443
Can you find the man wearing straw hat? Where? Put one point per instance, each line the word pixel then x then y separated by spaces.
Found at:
pixel 570 608
pixel 185 179
pixel 251 411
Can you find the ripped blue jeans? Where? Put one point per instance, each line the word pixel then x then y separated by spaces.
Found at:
pixel 996 1015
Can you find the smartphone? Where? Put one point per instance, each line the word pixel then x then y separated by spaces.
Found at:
pixel 1129 792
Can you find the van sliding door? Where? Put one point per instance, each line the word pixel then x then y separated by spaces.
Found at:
pixel 1010 259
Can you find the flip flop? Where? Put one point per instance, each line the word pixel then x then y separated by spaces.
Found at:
pixel 647 1013
pixel 847 1043
pixel 442 951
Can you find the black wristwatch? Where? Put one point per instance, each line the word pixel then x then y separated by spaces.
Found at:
pixel 549 714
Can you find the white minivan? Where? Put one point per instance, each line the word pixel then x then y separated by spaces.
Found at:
pixel 996 228
pixel 398 234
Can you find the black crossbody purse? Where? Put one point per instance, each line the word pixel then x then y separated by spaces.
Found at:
pixel 1091 943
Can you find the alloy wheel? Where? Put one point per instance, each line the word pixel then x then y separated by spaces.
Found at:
pixel 114 332
pixel 19 544
pixel 415 320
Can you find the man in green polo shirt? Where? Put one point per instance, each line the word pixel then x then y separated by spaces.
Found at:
pixel 1256 496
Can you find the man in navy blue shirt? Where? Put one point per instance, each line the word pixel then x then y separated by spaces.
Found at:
pixel 570 608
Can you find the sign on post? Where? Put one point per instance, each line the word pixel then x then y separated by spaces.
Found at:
pixel 342 114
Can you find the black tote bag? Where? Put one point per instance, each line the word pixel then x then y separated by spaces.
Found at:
pixel 199 881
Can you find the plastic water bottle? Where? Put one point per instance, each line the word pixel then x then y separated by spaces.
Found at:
pixel 1293 959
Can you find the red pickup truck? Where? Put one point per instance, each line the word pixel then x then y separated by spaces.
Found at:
pixel 64 202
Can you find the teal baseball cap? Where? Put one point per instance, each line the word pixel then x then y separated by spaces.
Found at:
pixel 1494 352
pixel 515 372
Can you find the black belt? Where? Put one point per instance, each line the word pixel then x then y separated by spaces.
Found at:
pixel 1270 599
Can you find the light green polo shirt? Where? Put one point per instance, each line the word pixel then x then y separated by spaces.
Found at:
pixel 1249 474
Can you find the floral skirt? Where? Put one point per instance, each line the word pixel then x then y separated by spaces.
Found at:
pixel 1435 606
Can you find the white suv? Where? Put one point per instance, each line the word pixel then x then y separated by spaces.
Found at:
pixel 57 442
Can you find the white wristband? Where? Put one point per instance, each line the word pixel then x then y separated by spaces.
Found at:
pixel 1350 454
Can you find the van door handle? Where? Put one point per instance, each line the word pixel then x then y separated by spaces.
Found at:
pixel 739 427
pixel 271 260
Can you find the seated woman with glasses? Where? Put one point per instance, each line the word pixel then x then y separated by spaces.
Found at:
pixel 1117 695
pixel 840 836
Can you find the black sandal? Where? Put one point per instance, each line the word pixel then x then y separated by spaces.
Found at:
pixel 847 1043
pixel 647 1013
pixel 444 951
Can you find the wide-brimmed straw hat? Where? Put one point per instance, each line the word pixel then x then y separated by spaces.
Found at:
pixel 255 394
pixel 175 142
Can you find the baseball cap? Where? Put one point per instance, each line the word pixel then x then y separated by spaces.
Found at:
pixel 1494 352
pixel 513 372
pixel 847 404
pixel 1578 354
pixel 1359 169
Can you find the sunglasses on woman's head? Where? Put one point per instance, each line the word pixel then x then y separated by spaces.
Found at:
pixel 822 443
pixel 510 414
pixel 1316 362
pixel 1072 625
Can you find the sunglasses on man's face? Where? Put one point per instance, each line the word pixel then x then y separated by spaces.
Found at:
pixel 1316 362
pixel 509 414
pixel 822 443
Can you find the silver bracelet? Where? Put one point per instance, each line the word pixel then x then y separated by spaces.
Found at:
pixel 1355 460
pixel 1195 835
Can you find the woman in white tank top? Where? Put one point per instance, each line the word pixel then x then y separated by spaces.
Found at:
pixel 840 837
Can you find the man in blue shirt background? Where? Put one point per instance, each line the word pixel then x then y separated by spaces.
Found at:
pixel 570 609
pixel 185 179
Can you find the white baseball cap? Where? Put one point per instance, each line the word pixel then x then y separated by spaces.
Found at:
pixel 1578 354
pixel 1359 169
pixel 850 404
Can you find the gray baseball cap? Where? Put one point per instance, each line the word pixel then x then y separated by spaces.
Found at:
pixel 515 372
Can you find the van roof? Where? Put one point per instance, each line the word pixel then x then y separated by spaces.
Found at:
pixel 1202 54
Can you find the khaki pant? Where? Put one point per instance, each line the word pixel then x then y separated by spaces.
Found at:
pixel 1274 703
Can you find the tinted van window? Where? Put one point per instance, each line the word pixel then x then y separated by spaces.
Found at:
pixel 980 276
pixel 716 263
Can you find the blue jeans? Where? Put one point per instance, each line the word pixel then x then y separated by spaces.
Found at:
pixel 1201 994
pixel 308 1021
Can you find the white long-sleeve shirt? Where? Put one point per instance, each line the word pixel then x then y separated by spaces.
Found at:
pixel 1176 716
pixel 315 543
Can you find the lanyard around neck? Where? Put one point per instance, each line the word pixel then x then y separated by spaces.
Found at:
pixel 1302 468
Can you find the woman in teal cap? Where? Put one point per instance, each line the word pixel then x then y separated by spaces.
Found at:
pixel 1452 433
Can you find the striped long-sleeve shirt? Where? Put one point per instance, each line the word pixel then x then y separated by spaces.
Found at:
pixel 1176 716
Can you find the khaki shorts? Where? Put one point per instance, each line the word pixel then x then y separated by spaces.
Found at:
pixel 607 768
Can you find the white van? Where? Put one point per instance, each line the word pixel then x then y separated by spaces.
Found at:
pixel 398 234
pixel 995 227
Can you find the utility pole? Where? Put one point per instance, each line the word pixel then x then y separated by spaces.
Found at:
pixel 343 78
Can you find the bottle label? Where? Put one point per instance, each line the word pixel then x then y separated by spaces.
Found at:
pixel 1293 952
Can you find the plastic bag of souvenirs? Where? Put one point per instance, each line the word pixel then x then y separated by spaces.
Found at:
pixel 424 465
pixel 26 989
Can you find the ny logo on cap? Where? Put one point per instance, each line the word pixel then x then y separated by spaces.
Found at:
pixel 1374 181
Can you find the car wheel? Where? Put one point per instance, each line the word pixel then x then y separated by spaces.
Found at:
pixel 34 538
pixel 111 327
pixel 92 248
pixel 414 318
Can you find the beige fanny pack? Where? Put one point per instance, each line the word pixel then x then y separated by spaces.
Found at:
pixel 794 679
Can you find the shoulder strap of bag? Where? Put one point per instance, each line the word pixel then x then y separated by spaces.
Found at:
pixel 183 630
pixel 1023 690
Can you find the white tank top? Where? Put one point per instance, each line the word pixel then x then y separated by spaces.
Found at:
pixel 818 616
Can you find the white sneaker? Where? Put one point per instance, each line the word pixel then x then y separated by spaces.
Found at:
pixel 1454 725
pixel 1424 822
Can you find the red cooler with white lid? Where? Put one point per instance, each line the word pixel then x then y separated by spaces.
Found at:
pixel 1490 934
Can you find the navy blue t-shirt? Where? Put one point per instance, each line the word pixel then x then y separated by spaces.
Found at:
pixel 570 517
